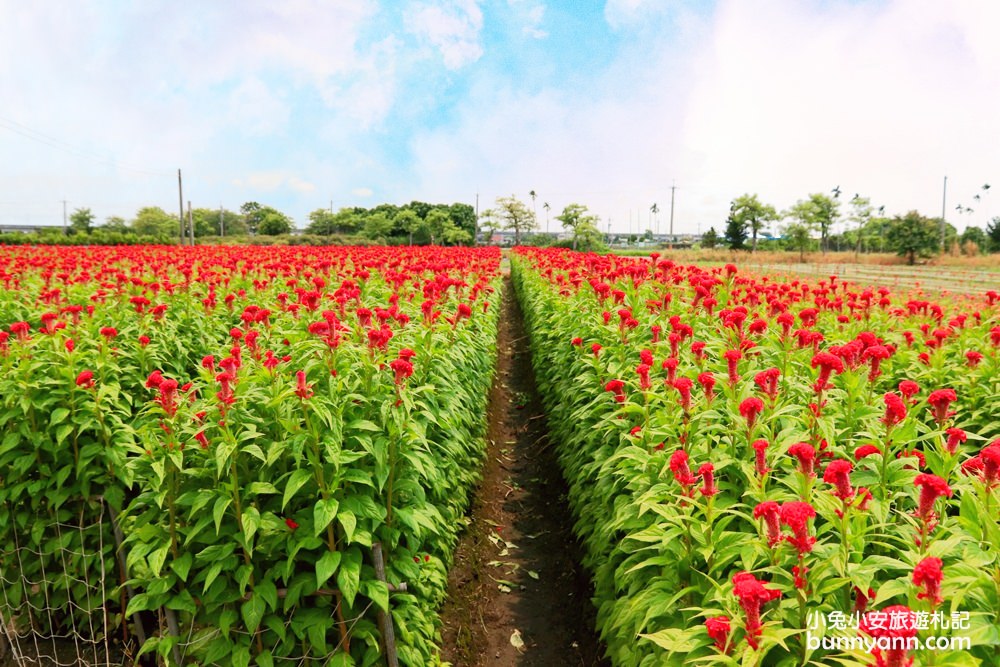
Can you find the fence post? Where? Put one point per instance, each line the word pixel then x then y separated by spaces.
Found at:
pixel 385 626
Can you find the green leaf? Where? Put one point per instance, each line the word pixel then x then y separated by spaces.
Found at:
pixel 58 415
pixel 139 603
pixel 673 639
pixel 219 511
pixel 349 574
pixel 295 482
pixel 181 566
pixel 349 522
pixel 326 566
pixel 251 522
pixel 157 558
pixel 324 512
pixel 378 592
pixel 253 611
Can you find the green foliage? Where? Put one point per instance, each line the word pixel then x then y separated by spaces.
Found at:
pixel 736 233
pixel 993 232
pixel 798 237
pixel 975 241
pixel 251 521
pixel 216 222
pixel 273 222
pixel 663 553
pixel 710 239
pixel 750 213
pixel 154 221
pixel 818 213
pixel 575 218
pixel 913 236
pixel 514 215
pixel 81 221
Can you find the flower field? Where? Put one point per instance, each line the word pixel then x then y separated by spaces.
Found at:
pixel 236 456
pixel 250 425
pixel 746 456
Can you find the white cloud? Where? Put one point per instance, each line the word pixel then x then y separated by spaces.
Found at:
pixel 362 192
pixel 531 15
pixel 452 27
pixel 881 100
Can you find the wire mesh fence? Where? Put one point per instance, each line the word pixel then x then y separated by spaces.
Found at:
pixel 64 591
pixel 58 583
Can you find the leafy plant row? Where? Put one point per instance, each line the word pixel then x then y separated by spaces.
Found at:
pixel 746 457
pixel 253 421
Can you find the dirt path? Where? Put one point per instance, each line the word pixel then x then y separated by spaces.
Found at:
pixel 516 593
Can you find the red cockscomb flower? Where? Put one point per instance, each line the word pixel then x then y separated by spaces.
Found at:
pixel 796 515
pixel 895 410
pixel 932 487
pixel 939 400
pixel 302 389
pixel 760 463
pixel 838 473
pixel 85 379
pixel 718 628
pixel 865 451
pixel 679 466
pixel 618 388
pixel 806 454
pixel 750 408
pixel 927 574
pixel 769 511
pixel 752 596
pixel 707 473
pixel 956 436
pixel 707 382
pixel 896 624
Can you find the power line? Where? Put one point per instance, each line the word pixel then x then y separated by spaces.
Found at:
pixel 52 142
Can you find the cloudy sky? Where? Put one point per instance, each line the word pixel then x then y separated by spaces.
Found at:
pixel 301 103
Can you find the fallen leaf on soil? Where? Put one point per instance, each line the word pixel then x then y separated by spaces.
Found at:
pixel 516 641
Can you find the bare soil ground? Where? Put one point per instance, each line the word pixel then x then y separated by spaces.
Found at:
pixel 517 595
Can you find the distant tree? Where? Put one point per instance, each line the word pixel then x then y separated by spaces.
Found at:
pixel 154 221
pixel 252 213
pixel 81 221
pixel 753 214
pixel 861 213
pixel 710 239
pixel 993 232
pixel 464 217
pixel 349 220
pixel 115 223
pixel 377 227
pixel 798 236
pixel 576 219
pixel 273 222
pixel 818 213
pixel 412 224
pixel 489 224
pixel 321 222
pixel 913 235
pixel 975 236
pixel 516 216
pixel 736 232
pixel 209 222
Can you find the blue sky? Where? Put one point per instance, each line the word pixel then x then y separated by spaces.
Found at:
pixel 300 103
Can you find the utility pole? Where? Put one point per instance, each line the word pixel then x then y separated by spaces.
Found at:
pixel 65 228
pixel 331 207
pixel 944 200
pixel 673 187
pixel 180 204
